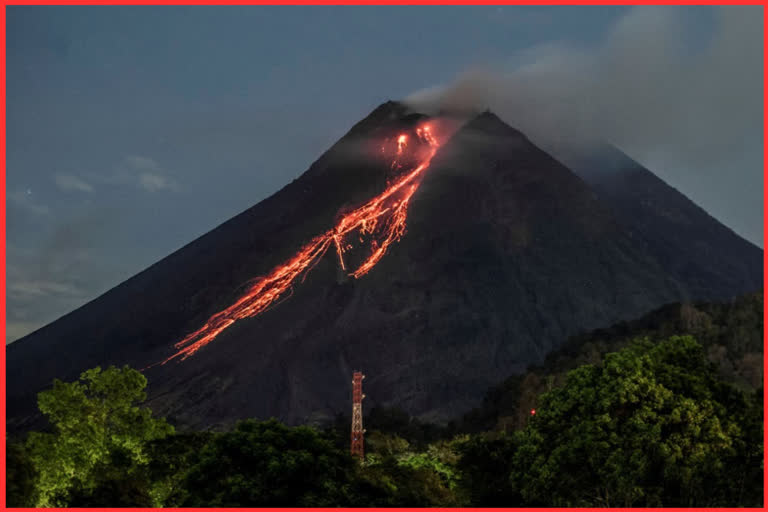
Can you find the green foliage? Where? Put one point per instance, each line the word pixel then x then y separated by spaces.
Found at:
pixel 171 460
pixel 484 467
pixel 660 420
pixel 97 447
pixel 269 464
pixel 440 458
pixel 394 474
pixel 647 428
pixel 386 481
pixel 731 334
pixel 385 445
pixel 20 477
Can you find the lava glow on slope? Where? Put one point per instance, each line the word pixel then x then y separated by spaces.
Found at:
pixel 380 222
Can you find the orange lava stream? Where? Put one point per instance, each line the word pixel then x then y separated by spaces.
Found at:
pixel 383 218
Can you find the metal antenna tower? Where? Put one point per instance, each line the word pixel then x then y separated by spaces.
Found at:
pixel 356 447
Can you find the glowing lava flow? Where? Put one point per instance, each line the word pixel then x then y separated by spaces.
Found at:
pixel 382 218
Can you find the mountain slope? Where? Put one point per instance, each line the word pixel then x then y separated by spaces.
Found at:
pixel 730 332
pixel 506 254
pixel 710 260
pixel 137 321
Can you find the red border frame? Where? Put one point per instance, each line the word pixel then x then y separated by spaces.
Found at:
pixel 765 260
pixel 5 3
pixel 375 3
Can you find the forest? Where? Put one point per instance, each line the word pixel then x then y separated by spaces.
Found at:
pixel 666 411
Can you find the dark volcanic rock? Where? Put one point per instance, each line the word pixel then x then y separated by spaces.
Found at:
pixel 507 254
pixel 709 259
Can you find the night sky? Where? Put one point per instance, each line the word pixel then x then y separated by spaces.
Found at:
pixel 133 130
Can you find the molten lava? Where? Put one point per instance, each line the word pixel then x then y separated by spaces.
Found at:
pixel 381 220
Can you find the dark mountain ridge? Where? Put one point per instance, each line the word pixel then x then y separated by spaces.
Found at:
pixel 711 260
pixel 507 253
pixel 731 333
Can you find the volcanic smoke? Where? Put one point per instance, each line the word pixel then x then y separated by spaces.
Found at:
pixel 381 221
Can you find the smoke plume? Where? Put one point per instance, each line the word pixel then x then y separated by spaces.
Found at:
pixel 642 85
pixel 690 111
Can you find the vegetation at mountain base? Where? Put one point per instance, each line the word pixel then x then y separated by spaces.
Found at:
pixel 731 334
pixel 96 450
pixel 651 426
pixel 662 411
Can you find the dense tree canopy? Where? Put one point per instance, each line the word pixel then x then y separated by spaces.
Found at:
pixel 269 464
pixel 651 426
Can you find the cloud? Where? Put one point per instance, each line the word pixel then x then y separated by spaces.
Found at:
pixel 68 182
pixel 37 288
pixel 142 163
pixel 58 263
pixel 148 174
pixel 154 182
pixel 25 201
pixel 60 273
pixel 142 172
pixel 690 111
pixel 35 294
pixel 642 85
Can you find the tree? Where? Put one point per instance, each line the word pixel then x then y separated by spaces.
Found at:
pixel 484 468
pixel 388 482
pixel 378 445
pixel 440 458
pixel 269 464
pixel 395 475
pixel 20 476
pixel 652 426
pixel 97 449
pixel 171 460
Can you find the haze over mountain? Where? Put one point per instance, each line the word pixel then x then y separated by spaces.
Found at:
pixel 507 253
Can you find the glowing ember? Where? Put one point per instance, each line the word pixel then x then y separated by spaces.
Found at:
pixel 381 220
pixel 426 134
pixel 402 141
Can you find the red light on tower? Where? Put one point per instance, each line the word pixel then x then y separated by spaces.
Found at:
pixel 356 445
pixel 533 412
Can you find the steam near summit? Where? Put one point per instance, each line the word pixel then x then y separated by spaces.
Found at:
pixel 692 114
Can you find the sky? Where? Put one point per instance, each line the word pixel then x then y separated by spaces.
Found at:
pixel 132 131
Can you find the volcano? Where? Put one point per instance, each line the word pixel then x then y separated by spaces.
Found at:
pixel 439 255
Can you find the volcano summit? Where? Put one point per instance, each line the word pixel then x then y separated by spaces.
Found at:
pixel 441 256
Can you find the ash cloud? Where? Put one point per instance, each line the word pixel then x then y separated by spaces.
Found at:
pixel 690 112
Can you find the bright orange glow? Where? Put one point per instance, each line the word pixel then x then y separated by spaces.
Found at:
pixel 381 220
pixel 402 141
pixel 425 133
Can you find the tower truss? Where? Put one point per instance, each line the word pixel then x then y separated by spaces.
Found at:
pixel 356 445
